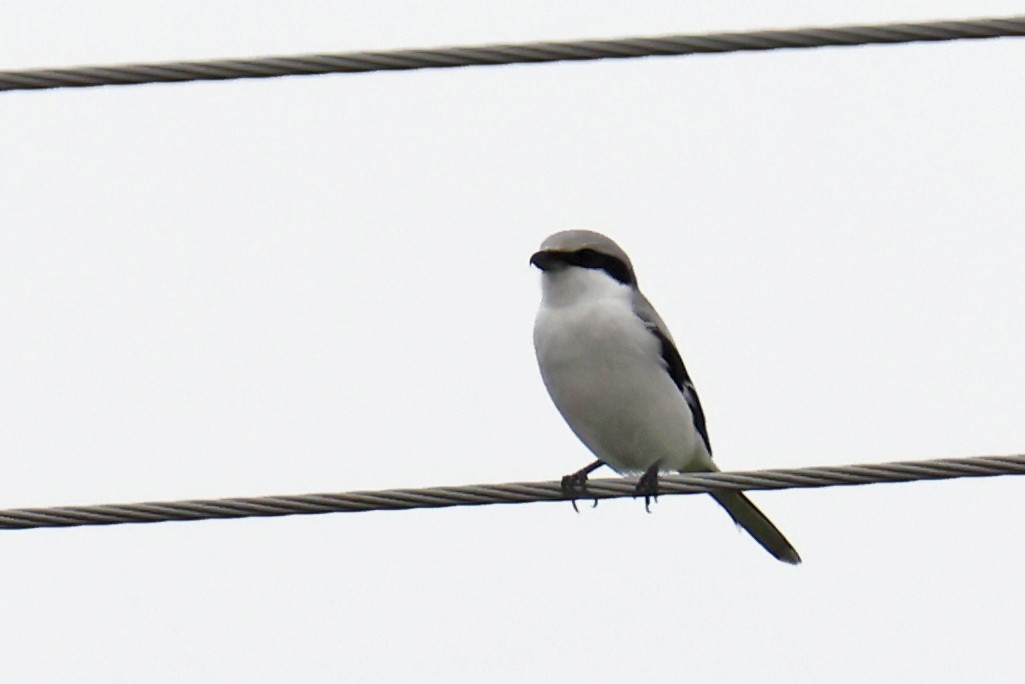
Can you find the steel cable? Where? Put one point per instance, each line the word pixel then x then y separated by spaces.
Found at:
pixel 268 67
pixel 509 493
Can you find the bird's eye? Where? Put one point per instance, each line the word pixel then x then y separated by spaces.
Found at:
pixel 615 268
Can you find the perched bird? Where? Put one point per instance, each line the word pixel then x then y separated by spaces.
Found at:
pixel 614 373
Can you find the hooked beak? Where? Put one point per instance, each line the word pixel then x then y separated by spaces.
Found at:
pixel 544 260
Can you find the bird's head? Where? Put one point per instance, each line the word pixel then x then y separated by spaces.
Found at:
pixel 587 250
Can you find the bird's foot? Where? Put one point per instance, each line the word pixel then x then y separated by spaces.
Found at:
pixel 574 485
pixel 647 487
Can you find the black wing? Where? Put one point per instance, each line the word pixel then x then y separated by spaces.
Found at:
pixel 678 372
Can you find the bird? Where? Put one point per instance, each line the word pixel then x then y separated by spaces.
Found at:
pixel 615 374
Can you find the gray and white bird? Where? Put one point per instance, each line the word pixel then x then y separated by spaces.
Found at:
pixel 614 373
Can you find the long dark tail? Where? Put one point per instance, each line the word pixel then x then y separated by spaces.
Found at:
pixel 747 515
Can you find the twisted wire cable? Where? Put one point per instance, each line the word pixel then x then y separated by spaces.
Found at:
pixel 510 493
pixel 438 58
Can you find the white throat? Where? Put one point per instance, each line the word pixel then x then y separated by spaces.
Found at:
pixel 575 285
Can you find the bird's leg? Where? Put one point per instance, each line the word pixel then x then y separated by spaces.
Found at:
pixel 647 486
pixel 576 483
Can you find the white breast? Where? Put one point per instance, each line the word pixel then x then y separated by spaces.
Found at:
pixel 604 371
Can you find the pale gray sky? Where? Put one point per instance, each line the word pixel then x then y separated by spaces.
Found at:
pixel 321 284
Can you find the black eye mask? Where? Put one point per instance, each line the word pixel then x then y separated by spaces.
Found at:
pixel 589 258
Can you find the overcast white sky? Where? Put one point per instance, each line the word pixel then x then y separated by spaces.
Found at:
pixel 321 284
